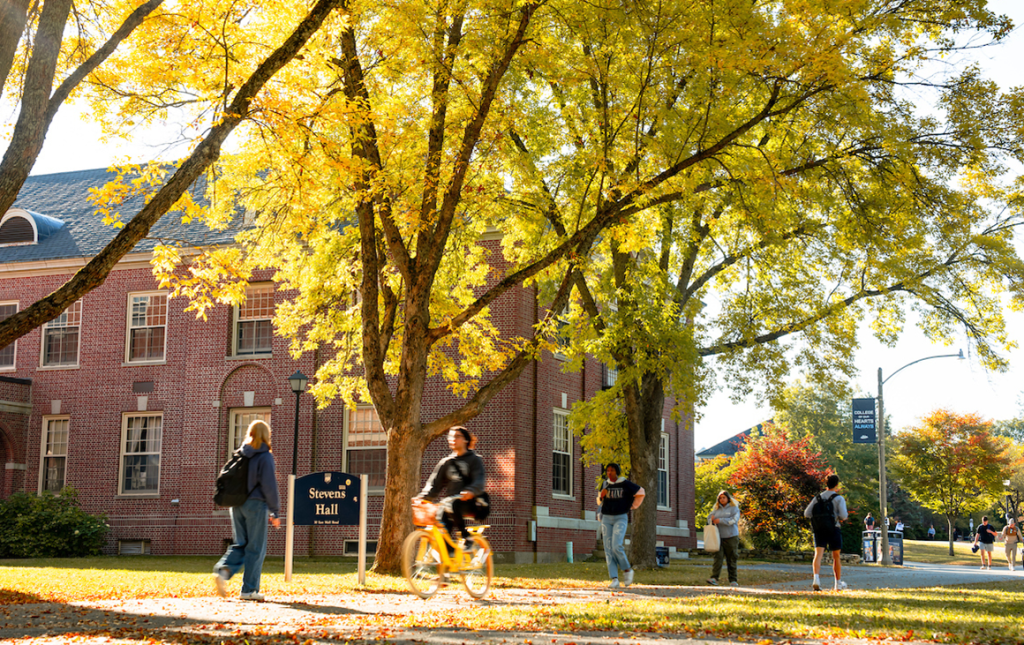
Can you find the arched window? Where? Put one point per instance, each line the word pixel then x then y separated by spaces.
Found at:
pixel 16 229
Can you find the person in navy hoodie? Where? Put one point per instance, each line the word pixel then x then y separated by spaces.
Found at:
pixel 249 521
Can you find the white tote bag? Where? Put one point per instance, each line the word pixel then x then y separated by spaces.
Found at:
pixel 711 539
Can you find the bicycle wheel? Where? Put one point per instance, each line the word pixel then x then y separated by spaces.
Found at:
pixel 477 574
pixel 421 564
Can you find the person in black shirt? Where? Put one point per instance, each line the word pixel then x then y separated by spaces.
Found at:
pixel 617 497
pixel 459 477
pixel 985 538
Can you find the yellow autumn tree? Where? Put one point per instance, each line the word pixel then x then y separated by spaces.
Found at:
pixel 705 178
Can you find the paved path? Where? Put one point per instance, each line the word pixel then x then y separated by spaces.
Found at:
pixel 344 617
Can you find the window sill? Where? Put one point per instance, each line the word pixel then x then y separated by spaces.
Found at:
pixel 248 357
pixel 664 508
pixel 12 368
pixel 568 498
pixel 144 363
pixel 137 496
pixel 55 368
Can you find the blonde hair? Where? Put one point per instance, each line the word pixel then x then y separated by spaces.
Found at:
pixel 258 434
pixel 728 496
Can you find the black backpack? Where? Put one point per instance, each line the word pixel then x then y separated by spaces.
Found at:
pixel 823 515
pixel 233 481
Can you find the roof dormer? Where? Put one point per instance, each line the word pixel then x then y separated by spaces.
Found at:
pixel 19 226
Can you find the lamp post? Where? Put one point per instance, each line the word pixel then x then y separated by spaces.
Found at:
pixel 297 381
pixel 882 493
pixel 1009 501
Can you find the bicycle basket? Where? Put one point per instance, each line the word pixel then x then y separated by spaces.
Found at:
pixel 424 513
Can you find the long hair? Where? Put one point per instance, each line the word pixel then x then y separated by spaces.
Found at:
pixel 258 434
pixel 728 496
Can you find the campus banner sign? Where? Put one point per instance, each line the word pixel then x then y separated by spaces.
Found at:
pixel 327 498
pixel 864 421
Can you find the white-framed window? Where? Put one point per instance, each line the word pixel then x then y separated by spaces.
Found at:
pixel 141 436
pixel 561 455
pixel 366 445
pixel 239 423
pixel 61 338
pixel 663 454
pixel 254 322
pixel 54 454
pixel 8 355
pixel 147 327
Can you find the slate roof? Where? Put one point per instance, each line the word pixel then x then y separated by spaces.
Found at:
pixel 731 446
pixel 64 196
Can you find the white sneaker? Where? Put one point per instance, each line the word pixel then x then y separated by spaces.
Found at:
pixel 841 586
pixel 252 595
pixel 627 579
pixel 221 580
pixel 734 584
pixel 614 584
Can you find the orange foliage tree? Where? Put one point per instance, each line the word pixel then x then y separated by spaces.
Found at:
pixel 776 478
pixel 952 463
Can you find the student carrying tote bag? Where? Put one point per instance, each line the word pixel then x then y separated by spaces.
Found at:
pixel 711 541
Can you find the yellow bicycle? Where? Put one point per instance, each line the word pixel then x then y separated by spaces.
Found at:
pixel 427 564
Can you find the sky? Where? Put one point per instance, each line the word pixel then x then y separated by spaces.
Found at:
pixel 75 143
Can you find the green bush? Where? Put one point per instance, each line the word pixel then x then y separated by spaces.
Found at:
pixel 49 526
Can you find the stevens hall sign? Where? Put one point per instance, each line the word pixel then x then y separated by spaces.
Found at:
pixel 327 498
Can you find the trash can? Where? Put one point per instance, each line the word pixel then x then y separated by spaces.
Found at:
pixel 661 555
pixel 896 547
pixel 869 546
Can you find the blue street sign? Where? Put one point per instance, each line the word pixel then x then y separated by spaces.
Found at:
pixel 327 498
pixel 864 421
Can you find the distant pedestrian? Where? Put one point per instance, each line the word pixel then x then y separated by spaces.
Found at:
pixel 726 516
pixel 1011 538
pixel 931 531
pixel 826 511
pixel 899 525
pixel 617 497
pixel 985 540
pixel 869 523
pixel 249 521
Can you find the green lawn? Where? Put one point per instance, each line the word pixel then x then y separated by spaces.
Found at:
pixel 938 553
pixel 989 613
pixel 66 580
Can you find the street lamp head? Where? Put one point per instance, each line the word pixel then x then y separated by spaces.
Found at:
pixel 960 356
pixel 298 382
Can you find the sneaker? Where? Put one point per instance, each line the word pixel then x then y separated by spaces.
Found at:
pixel 252 595
pixel 220 579
pixel 628 578
pixel 734 584
pixel 841 586
pixel 816 586
pixel 713 582
pixel 614 584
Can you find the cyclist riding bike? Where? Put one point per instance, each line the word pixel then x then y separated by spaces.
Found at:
pixel 460 478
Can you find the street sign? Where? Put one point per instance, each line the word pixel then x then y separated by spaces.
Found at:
pixel 327 498
pixel 864 421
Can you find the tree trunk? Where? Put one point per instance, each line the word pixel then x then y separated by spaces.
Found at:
pixel 405 455
pixel 949 522
pixel 643 414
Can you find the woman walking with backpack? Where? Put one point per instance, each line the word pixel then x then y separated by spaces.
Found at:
pixel 726 516
pixel 249 521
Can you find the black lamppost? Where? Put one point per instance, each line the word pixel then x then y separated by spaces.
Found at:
pixel 882 496
pixel 298 382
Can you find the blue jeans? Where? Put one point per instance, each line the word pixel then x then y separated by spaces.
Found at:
pixel 613 530
pixel 249 534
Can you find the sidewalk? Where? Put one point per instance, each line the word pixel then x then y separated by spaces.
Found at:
pixel 368 617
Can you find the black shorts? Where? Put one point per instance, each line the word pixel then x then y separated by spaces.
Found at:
pixel 829 540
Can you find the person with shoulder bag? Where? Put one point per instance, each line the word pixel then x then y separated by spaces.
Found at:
pixel 725 519
pixel 1011 538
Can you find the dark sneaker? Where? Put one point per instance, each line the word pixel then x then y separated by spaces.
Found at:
pixel 713 581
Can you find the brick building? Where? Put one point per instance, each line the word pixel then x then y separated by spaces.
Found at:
pixel 136 404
